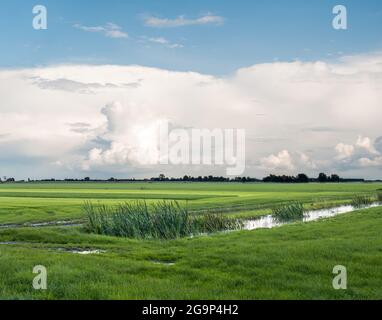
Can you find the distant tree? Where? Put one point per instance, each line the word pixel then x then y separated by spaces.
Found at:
pixel 162 177
pixel 302 178
pixel 280 179
pixel 11 180
pixel 87 179
pixel 322 177
pixel 335 178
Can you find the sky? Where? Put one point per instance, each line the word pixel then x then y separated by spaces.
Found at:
pixel 83 97
pixel 247 33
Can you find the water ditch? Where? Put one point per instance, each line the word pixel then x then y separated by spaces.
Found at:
pixel 263 222
pixel 269 222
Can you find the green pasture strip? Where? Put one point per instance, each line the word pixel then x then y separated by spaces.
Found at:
pixel 107 195
pixel 41 202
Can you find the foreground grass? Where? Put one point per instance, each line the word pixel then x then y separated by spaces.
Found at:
pixel 290 262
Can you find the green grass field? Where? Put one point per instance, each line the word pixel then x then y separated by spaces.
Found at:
pixel 20 203
pixel 290 262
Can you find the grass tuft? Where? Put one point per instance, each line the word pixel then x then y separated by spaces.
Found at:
pixel 214 222
pixel 379 196
pixel 164 220
pixel 288 212
pixel 360 201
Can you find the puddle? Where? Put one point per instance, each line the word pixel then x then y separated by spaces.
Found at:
pixel 81 251
pixel 86 252
pixel 54 223
pixel 9 243
pixel 9 226
pixel 69 250
pixel 164 263
pixel 269 221
pixel 43 224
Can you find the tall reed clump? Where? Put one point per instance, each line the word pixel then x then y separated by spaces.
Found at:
pixel 379 196
pixel 214 222
pixel 360 201
pixel 165 220
pixel 288 212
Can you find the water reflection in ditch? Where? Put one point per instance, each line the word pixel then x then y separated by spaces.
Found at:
pixel 268 222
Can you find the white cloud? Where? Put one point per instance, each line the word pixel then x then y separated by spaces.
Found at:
pixel 281 161
pixel 305 161
pixel 181 21
pixel 365 143
pixel 110 30
pixel 366 162
pixel 362 153
pixel 344 151
pixel 163 41
pixel 56 119
pixel 131 133
pixel 160 40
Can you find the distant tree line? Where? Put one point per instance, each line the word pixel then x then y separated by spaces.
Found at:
pixel 210 178
pixel 303 178
pixel 300 178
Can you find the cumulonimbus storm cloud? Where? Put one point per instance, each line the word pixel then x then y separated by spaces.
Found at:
pixel 88 119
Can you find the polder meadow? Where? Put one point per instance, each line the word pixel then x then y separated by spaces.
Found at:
pixel 45 224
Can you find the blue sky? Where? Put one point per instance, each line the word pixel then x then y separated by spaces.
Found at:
pixel 82 98
pixel 252 32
